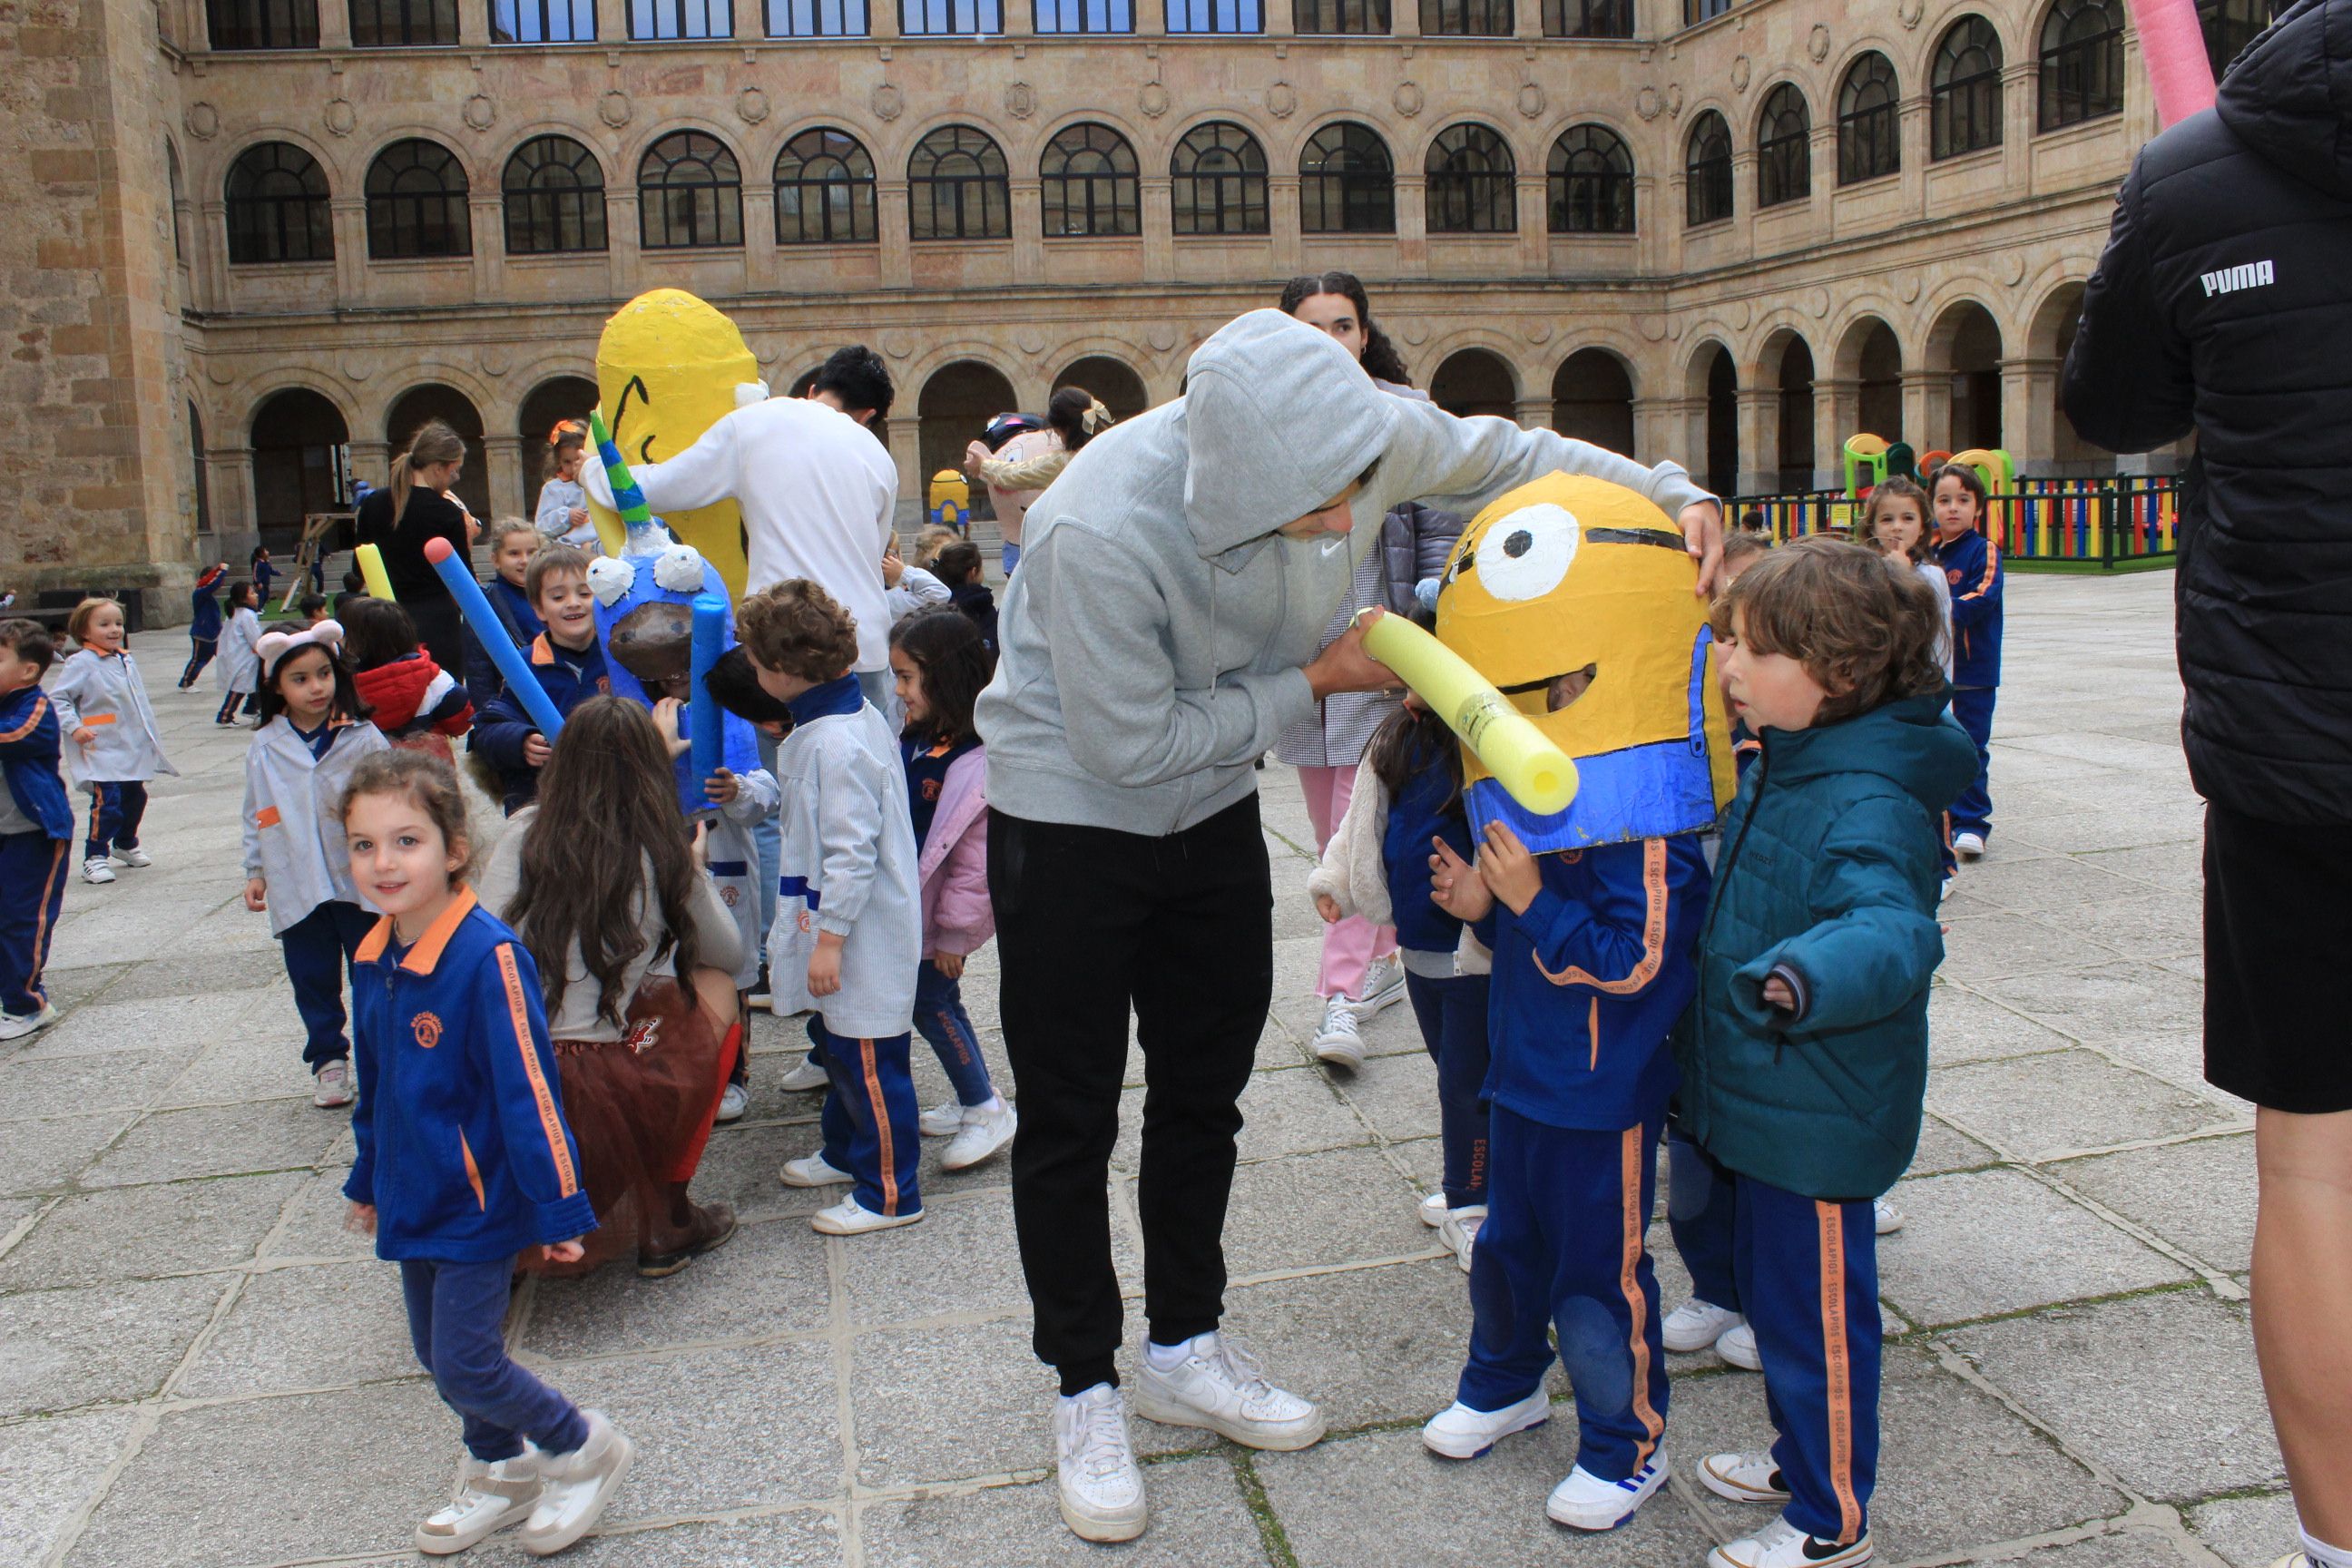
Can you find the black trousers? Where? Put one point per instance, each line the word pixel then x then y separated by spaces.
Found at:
pixel 1090 922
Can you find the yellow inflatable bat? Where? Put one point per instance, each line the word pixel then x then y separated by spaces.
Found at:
pixel 666 370
pixel 1507 743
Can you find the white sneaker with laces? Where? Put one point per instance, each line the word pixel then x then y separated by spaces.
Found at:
pixel 850 1217
pixel 1458 1432
pixel 1738 1346
pixel 803 1076
pixel 1696 1324
pixel 16 1026
pixel 2293 1560
pixel 1460 1231
pixel 1743 1477
pixel 1886 1219
pixel 1781 1544
pixel 1433 1210
pixel 134 857
pixel 331 1085
pixel 811 1171
pixel 986 1128
pixel 944 1119
pixel 490 1498
pixel 1585 1501
pixel 577 1486
pixel 1969 845
pixel 1219 1387
pixel 1102 1490
pixel 96 869
pixel 1338 1041
pixel 732 1103
pixel 1384 986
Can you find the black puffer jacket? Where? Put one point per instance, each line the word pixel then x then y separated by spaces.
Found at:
pixel 2224 304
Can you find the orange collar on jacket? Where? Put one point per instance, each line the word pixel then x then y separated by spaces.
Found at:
pixel 426 953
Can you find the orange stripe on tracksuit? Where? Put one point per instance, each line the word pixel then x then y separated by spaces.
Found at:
pixel 869 1118
pixel 550 1121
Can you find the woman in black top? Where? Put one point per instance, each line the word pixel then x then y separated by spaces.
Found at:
pixel 399 518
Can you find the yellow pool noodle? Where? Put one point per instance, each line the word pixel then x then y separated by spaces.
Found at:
pixel 1536 773
pixel 372 571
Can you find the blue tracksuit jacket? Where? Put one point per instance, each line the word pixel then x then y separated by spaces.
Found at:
pixel 459 1122
pixel 28 757
pixel 1415 818
pixel 1972 566
pixel 501 726
pixel 512 605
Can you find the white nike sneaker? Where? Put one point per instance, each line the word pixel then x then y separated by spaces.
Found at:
pixel 1969 845
pixel 1220 1387
pixel 803 1076
pixel 1102 1490
pixel 1585 1501
pixel 811 1171
pixel 96 869
pixel 490 1498
pixel 732 1103
pixel 1781 1544
pixel 1738 1346
pixel 1458 1432
pixel 133 857
pixel 1743 1477
pixel 1696 1324
pixel 1383 986
pixel 1338 1040
pixel 986 1128
pixel 1885 1218
pixel 1433 1210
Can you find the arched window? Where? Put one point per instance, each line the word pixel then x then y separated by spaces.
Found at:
pixel 1869 140
pixel 262 24
pixel 1588 181
pixel 1219 172
pixel 554 191
pixel 958 188
pixel 2081 61
pixel 1088 181
pixel 1706 171
pixel 1964 90
pixel 1472 185
pixel 825 189
pixel 416 203
pixel 276 206
pixel 403 24
pixel 2229 25
pixel 1346 182
pixel 689 194
pixel 1784 147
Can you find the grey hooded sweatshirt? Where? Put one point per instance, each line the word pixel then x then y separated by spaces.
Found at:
pixel 1152 643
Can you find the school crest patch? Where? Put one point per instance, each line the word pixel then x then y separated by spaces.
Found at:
pixel 428 1029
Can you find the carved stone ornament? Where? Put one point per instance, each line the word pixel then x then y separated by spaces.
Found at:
pixel 751 105
pixel 340 116
pixel 1907 287
pixel 1742 73
pixel 1817 44
pixel 495 361
pixel 887 102
pixel 1910 11
pixel 1675 99
pixel 1282 100
pixel 1021 100
pixel 1414 334
pixel 1741 314
pixel 1646 103
pixel 1819 304
pixel 2012 269
pixel 1032 342
pixel 220 374
pixel 1153 100
pixel 359 367
pixel 1653 328
pixel 203 121
pixel 480 113
pixel 1409 98
pixel 897 344
pixel 1162 337
pixel 1538 332
pixel 615 108
pixel 1531 100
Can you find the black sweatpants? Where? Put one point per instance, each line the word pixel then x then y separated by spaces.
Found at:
pixel 1089 921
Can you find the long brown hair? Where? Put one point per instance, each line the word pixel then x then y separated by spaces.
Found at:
pixel 435 442
pixel 1864 629
pixel 607 808
pixel 1894 489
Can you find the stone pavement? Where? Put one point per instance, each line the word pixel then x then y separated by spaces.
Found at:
pixel 198 1366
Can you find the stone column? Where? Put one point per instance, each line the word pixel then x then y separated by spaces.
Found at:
pixel 1413 223
pixel 759 233
pixel 1758 423
pixel 228 493
pixel 1282 222
pixel 348 214
pixel 208 254
pixel 2029 410
pixel 2020 111
pixel 611 21
pixel 1915 135
pixel 1159 214
pixel 1820 179
pixel 627 253
pixel 1743 194
pixel 1533 413
pixel 1837 412
pixel 1028 229
pixel 1534 192
pixel 1926 408
pixel 1658 431
pixel 502 460
pixel 907 451
pixel 335 23
pixel 485 212
pixel 891 226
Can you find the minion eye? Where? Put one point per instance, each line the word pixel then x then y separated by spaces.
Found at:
pixel 1526 555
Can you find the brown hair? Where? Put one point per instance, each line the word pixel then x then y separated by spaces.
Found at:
pixel 797 628
pixel 376 632
pixel 582 884
pixel 506 527
pixel 1971 480
pixel 957 564
pixel 1897 488
pixel 929 540
pixel 552 559
pixel 568 436
pixel 28 640
pixel 1864 629
pixel 77 623
pixel 1739 545
pixel 946 648
pixel 435 442
pixel 425 782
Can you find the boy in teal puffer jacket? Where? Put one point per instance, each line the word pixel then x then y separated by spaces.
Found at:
pixel 1805 1054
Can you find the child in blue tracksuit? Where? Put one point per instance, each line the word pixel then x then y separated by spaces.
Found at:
pixel 1805 1055
pixel 513 541
pixel 37 828
pixel 847 938
pixel 1971 564
pixel 462 1159
pixel 567 657
pixel 205 624
pixel 1591 966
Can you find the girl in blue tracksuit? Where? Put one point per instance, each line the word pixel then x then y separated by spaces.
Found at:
pixel 204 624
pixel 462 1158
pixel 1971 564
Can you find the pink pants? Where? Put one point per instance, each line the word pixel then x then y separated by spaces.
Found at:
pixel 1349 946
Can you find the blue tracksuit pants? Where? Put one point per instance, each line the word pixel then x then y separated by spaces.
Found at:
pixel 1701 1200
pixel 319 949
pixel 116 811
pixel 32 889
pixel 1452 1013
pixel 869 1119
pixel 456 1318
pixel 940 1018
pixel 1809 1275
pixel 1973 706
pixel 1562 1248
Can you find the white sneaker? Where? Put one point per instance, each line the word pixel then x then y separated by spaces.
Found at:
pixel 986 1128
pixel 1743 1477
pixel 16 1026
pixel 1738 1346
pixel 732 1103
pixel 1219 1387
pixel 1696 1324
pixel 810 1170
pixel 1967 846
pixel 1885 1216
pixel 850 1217
pixel 1433 1210
pixel 1102 1491
pixel 97 870
pixel 578 1486
pixel 134 857
pixel 944 1119
pixel 803 1076
pixel 490 1498
pixel 1337 1041
pixel 1585 1501
pixel 331 1085
pixel 1460 1231
pixel 1458 1432
pixel 1781 1544
pixel 1384 986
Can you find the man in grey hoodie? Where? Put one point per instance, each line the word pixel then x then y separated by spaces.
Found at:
pixel 1162 630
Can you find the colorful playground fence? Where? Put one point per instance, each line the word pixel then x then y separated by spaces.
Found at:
pixel 2101 524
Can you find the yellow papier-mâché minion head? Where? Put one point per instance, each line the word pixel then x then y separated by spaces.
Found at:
pixel 1575 597
pixel 667 371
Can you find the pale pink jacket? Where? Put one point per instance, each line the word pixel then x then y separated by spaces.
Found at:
pixel 953 869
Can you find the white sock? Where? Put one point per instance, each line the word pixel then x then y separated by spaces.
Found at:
pixel 1082 1394
pixel 2322 1555
pixel 1168 1358
pixel 995 1103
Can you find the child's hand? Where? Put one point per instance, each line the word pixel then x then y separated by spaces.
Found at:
pixel 1329 908
pixel 83 735
pixel 1778 994
pixel 563 1251
pixel 536 751
pixel 1509 870
pixel 665 719
pixel 1454 885
pixel 697 848
pixel 720 788
pixel 257 894
pixel 893 566
pixel 824 965
pixel 949 964
pixel 361 1218
pixel 577 517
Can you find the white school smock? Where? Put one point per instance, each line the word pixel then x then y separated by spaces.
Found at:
pixel 733 857
pixel 238 666
pixel 293 838
pixel 103 691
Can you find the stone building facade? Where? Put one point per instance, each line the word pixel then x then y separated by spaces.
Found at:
pixel 270 236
